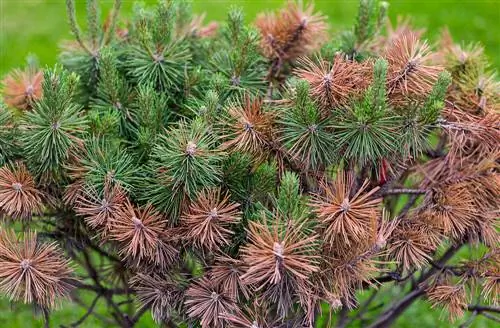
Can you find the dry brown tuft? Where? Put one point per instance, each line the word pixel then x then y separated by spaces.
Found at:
pixel 209 218
pixel 32 271
pixel 22 88
pixel 19 198
pixel 292 32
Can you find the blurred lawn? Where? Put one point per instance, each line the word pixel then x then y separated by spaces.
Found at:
pixel 37 26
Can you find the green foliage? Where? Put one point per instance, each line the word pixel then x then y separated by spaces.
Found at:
pixel 152 115
pixel 106 161
pixel 290 202
pixel 114 94
pixel 209 107
pixel 237 59
pixel 366 139
pixel 264 181
pixel 305 132
pixel 162 66
pixel 156 55
pixel 86 66
pixel 93 19
pixel 183 162
pixel 377 92
pixel 54 127
pixel 419 119
pixel 236 170
pixel 145 114
pixel 104 122
pixel 7 135
pixel 367 131
pixel 83 56
pixel 372 15
pixel 435 101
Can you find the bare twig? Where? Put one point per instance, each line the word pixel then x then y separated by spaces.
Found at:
pixel 138 315
pixel 342 317
pixel 490 316
pixel 483 308
pixel 365 307
pixel 398 191
pixel 397 308
pixel 102 318
pixel 411 201
pixel 46 317
pixel 117 313
pixel 88 313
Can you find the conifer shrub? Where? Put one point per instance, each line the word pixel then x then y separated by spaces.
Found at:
pixel 251 175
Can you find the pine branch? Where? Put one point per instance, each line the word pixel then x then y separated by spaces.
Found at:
pixel 46 317
pixel 75 29
pixel 483 308
pixel 109 33
pixel 397 308
pixel 138 315
pixel 398 191
pixel 103 319
pixel 145 144
pixel 363 308
pixel 120 318
pixel 93 22
pixel 89 311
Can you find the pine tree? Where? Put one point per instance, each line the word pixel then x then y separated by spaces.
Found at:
pixel 251 175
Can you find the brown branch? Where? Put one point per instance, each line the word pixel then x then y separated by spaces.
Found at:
pixel 398 191
pixel 102 290
pixel 102 318
pixel 483 308
pixel 390 277
pixel 170 324
pixel 490 316
pixel 389 316
pixel 293 165
pixel 46 317
pixel 342 316
pixel 103 252
pixel 120 318
pixel 397 308
pixel 90 310
pixel 138 315
pixel 365 307
pixel 409 204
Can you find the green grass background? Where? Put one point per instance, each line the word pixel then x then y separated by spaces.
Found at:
pixel 38 26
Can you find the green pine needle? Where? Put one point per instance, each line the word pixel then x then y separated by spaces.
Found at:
pixel 184 161
pixel 305 133
pixel 367 141
pixel 54 127
pixel 105 161
pixel 7 135
pixel 114 93
pixel 435 101
pixel 153 115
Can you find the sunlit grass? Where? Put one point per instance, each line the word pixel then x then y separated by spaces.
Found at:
pixel 38 26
